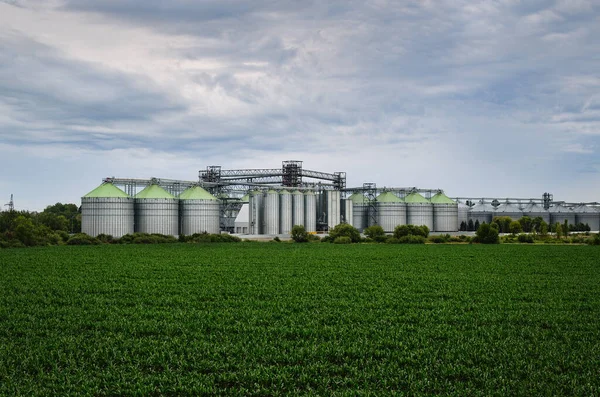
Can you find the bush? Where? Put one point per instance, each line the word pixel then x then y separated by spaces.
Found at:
pixel 105 238
pixel 412 240
pixel 299 234
pixel 212 238
pixel 375 233
pixel 515 228
pixel 276 239
pixel 487 234
pixel 327 239
pixel 595 240
pixel 411 230
pixel 313 238
pixel 345 230
pixel 525 238
pixel 440 239
pixel 82 239
pixel 342 240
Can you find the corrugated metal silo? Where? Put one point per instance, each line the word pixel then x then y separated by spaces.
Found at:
pixel 333 208
pixel 534 210
pixel 285 212
pixel 391 211
pixel 559 213
pixel 297 208
pixel 199 212
pixel 156 211
pixel 107 210
pixel 482 212
pixel 445 213
pixel 310 211
pixel 359 210
pixel 463 213
pixel 348 211
pixel 588 215
pixel 255 212
pixel 419 211
pixel 509 209
pixel 271 212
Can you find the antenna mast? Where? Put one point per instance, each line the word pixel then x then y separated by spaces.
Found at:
pixel 11 204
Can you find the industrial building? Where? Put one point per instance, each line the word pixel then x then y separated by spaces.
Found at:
pixel 272 201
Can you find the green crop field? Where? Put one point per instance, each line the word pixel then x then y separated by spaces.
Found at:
pixel 268 318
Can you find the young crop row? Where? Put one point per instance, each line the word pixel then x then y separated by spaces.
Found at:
pixel 295 319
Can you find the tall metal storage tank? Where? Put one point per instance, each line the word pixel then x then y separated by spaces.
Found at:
pixel 445 213
pixel 359 210
pixel 348 211
pixel 310 211
pixel 419 211
pixel 297 208
pixel 333 208
pixel 482 212
pixel 463 213
pixel 107 210
pixel 255 212
pixel 534 210
pixel 156 211
pixel 285 212
pixel 271 212
pixel 559 213
pixel 391 211
pixel 585 214
pixel 509 209
pixel 199 212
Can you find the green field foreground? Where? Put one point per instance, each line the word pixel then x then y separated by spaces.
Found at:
pixel 268 318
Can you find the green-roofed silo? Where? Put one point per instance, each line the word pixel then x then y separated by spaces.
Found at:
pixel 199 211
pixel 445 213
pixel 359 210
pixel 419 211
pixel 285 212
pixel 391 211
pixel 107 210
pixel 156 211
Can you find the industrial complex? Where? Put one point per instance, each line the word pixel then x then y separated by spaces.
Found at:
pixel 272 201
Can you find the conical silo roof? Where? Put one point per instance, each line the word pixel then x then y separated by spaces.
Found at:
pixel 388 197
pixel 415 197
pixel 441 198
pixel 534 207
pixel 246 198
pixel 154 192
pixel 557 209
pixel 507 207
pixel 107 190
pixel 483 207
pixel 357 198
pixel 284 192
pixel 582 208
pixel 196 193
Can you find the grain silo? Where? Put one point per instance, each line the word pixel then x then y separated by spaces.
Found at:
pixel 482 212
pixel 391 211
pixel 285 212
pixel 463 213
pixel 510 210
pixel 199 212
pixel 445 213
pixel 156 211
pixel 333 208
pixel 419 211
pixel 310 211
pixel 271 212
pixel 297 208
pixel 348 211
pixel 107 210
pixel 560 213
pixel 255 212
pixel 588 215
pixel 359 210
pixel 535 210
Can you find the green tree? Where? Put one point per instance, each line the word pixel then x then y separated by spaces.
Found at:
pixel 476 225
pixel 470 225
pixel 558 230
pixel 487 234
pixel 299 234
pixel 565 228
pixel 526 223
pixel 376 233
pixel 515 228
pixel 543 228
pixel 411 230
pixel 345 230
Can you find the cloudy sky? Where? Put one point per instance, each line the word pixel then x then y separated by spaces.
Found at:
pixel 493 98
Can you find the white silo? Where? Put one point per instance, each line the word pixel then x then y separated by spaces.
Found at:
pixel 271 212
pixel 310 211
pixel 482 212
pixel 359 210
pixel 285 212
pixel 156 211
pixel 560 213
pixel 255 212
pixel 297 208
pixel 534 210
pixel 333 208
pixel 391 211
pixel 587 215
pixel 107 210
pixel 510 210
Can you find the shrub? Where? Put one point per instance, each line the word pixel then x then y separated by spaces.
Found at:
pixel 345 230
pixel 411 230
pixel 392 240
pixel 525 238
pixel 82 239
pixel 342 240
pixel 105 238
pixel 515 228
pixel 314 238
pixel 375 233
pixel 212 238
pixel 439 239
pixel 299 234
pixel 487 234
pixel 327 239
pixel 594 240
pixel 276 239
pixel 412 240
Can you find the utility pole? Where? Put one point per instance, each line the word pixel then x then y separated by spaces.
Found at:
pixel 11 204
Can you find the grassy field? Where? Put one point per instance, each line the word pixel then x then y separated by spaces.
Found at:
pixel 267 318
